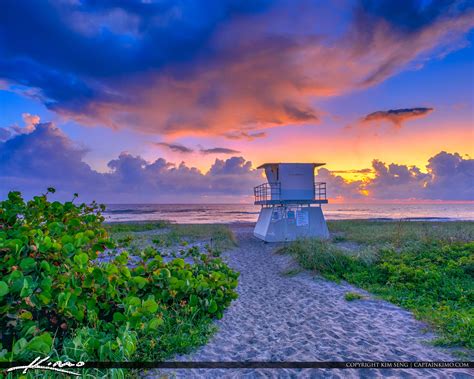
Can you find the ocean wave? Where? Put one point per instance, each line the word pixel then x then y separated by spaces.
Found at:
pixel 241 212
pixel 129 211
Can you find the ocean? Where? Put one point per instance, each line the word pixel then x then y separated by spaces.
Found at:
pixel 231 213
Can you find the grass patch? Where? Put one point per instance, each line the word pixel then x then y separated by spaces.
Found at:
pixel 291 271
pixel 132 227
pixel 219 237
pixel 351 296
pixel 401 233
pixel 431 273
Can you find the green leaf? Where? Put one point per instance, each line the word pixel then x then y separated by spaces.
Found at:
pixel 150 305
pixel 46 284
pixel 212 306
pixel 3 288
pixel 155 323
pixel 178 262
pixel 31 330
pixel 46 244
pixel 165 273
pixel 25 290
pixel 27 263
pixel 19 346
pixel 45 297
pixel 26 315
pixel 45 266
pixel 132 300
pixel 68 247
pixel 140 281
pixel 63 299
pixel 81 259
pixel 193 300
pixel 119 317
pixel 41 344
pixel 78 314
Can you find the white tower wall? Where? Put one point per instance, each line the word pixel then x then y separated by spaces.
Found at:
pixel 280 223
pixel 297 181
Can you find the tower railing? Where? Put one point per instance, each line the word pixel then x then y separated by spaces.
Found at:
pixel 320 191
pixel 270 193
pixel 267 191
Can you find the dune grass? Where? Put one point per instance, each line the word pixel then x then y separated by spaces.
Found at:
pixel 400 233
pixel 427 268
pixel 131 227
pixel 164 234
pixel 219 236
pixel 351 296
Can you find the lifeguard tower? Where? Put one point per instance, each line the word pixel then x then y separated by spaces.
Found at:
pixel 291 203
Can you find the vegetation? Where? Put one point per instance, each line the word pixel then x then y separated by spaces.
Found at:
pixel 427 268
pixel 130 227
pixel 135 236
pixel 58 298
pixel 351 296
pixel 401 233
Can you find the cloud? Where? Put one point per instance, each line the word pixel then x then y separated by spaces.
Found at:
pixel 4 134
pixel 178 148
pixel 397 116
pixel 45 154
pixel 232 66
pixel 361 171
pixel 175 147
pixel 449 176
pixel 47 157
pixel 395 181
pixel 219 150
pixel 245 135
pixel 30 121
pixel 338 187
pixel 452 177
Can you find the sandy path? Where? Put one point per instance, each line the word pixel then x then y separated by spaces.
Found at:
pixel 300 318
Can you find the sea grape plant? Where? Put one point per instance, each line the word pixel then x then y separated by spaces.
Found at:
pixel 57 298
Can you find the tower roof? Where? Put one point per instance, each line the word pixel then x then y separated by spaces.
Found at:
pixel 279 163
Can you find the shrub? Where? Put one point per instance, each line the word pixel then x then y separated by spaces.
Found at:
pixel 57 298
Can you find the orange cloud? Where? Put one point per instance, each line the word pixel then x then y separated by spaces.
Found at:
pixel 261 77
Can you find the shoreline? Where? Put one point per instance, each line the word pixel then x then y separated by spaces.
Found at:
pixel 232 214
pixel 246 223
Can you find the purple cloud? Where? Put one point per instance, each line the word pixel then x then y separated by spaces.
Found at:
pixel 219 150
pixel 175 147
pixel 398 116
pixel 46 157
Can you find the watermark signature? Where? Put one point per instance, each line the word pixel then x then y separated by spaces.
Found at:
pixel 40 364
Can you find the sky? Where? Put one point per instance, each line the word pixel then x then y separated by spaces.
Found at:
pixel 179 101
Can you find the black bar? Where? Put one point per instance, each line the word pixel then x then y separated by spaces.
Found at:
pixel 264 364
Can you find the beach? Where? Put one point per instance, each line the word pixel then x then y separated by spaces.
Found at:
pixel 278 189
pixel 303 317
